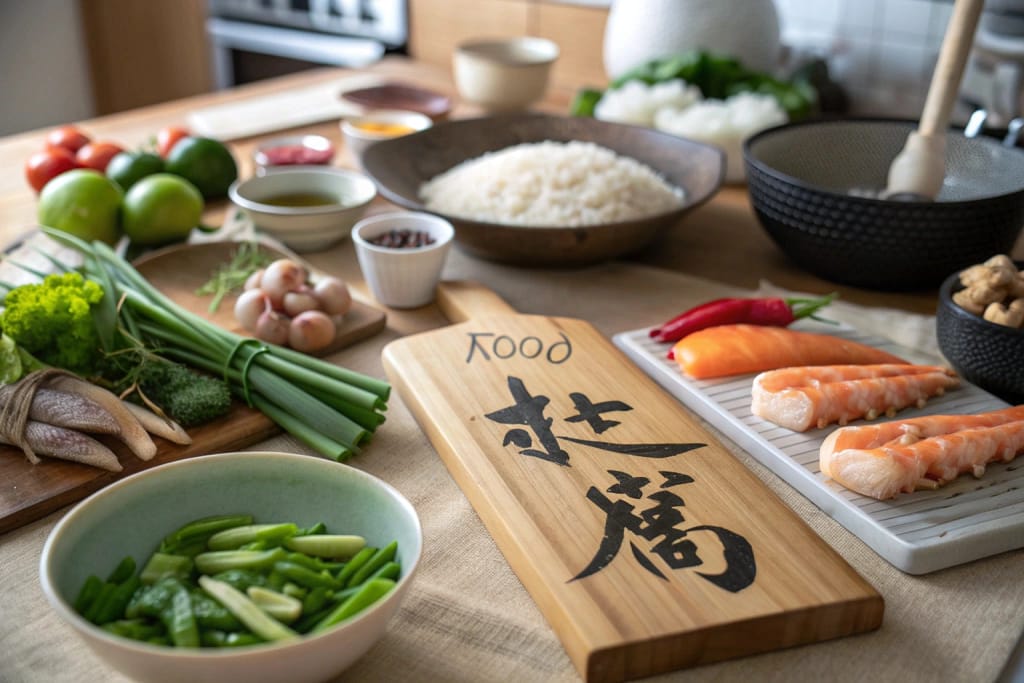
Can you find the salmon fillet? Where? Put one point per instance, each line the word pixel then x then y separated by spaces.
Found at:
pixel 803 398
pixel 741 349
pixel 905 455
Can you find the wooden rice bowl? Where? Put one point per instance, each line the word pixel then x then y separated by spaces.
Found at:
pixel 401 165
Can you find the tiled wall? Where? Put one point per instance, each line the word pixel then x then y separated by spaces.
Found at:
pixel 881 51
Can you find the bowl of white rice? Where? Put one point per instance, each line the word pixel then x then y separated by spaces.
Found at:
pixel 539 190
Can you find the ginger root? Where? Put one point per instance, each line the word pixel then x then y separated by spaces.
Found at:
pixel 1001 314
pixel 993 289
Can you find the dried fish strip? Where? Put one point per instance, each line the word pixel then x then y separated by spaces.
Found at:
pixel 65 444
pixel 159 426
pixel 131 432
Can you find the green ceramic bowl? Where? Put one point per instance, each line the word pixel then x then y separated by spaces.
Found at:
pixel 130 517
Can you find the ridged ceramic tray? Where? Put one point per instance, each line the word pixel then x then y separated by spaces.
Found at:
pixel 918 532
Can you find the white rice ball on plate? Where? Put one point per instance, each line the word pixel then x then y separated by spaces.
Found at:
pixel 723 123
pixel 637 103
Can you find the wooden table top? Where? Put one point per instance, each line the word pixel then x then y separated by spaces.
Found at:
pixel 720 241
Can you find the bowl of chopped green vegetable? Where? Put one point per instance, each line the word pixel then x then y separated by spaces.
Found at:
pixel 253 566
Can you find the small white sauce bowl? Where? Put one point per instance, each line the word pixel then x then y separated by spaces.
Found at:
pixel 357 138
pixel 403 277
pixel 305 228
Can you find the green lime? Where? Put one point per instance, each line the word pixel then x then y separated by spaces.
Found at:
pixel 205 163
pixel 161 208
pixel 84 203
pixel 128 168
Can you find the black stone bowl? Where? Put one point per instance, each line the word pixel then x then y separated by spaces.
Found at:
pixel 988 355
pixel 814 186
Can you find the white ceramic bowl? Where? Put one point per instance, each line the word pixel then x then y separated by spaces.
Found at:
pixel 358 134
pixel 305 228
pixel 504 74
pixel 130 516
pixel 404 277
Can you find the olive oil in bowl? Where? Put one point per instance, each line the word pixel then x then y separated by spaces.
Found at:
pixel 301 199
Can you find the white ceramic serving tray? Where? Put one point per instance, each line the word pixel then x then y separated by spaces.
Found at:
pixel 918 532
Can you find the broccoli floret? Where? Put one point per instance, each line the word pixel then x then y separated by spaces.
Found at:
pixel 52 321
pixel 187 396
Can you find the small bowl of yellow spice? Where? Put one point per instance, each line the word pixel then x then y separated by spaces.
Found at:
pixel 359 132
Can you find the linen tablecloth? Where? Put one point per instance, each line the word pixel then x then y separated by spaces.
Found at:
pixel 468 618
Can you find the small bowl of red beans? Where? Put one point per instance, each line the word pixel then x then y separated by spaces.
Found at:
pixel 295 150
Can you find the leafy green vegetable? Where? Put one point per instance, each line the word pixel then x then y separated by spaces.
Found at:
pixel 52 320
pixel 189 397
pixel 585 102
pixel 717 76
pixel 230 276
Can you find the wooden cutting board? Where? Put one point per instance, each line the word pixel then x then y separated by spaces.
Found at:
pixel 645 543
pixel 180 270
pixel 29 492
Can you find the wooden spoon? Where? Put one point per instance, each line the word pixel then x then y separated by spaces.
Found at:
pixel 917 172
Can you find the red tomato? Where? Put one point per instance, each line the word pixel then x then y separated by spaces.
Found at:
pixel 98 154
pixel 43 166
pixel 67 137
pixel 168 137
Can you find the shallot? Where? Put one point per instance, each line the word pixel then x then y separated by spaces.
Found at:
pixel 280 306
pixel 333 296
pixel 299 302
pixel 310 331
pixel 280 277
pixel 272 327
pixel 253 281
pixel 249 306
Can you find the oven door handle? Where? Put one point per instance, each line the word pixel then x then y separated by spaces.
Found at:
pixel 306 46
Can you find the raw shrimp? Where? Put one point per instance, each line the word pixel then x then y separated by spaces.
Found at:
pixel 740 349
pixel 922 453
pixel 802 398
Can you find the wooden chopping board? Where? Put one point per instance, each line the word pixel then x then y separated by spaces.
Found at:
pixel 29 492
pixel 645 543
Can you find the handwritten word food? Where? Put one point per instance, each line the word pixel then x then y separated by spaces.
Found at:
pixel 770 311
pixel 226 581
pixel 51 412
pixel 802 398
pixel 740 349
pixel 994 290
pixel 551 184
pixel 403 239
pixel 882 460
pixel 281 306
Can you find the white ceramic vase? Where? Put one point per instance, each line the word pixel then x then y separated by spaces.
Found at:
pixel 641 30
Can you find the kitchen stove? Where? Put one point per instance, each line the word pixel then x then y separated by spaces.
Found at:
pixel 255 39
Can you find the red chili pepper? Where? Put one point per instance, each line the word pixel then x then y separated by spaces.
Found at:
pixel 656 331
pixel 771 311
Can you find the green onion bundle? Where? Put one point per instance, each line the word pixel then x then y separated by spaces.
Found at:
pixel 329 408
